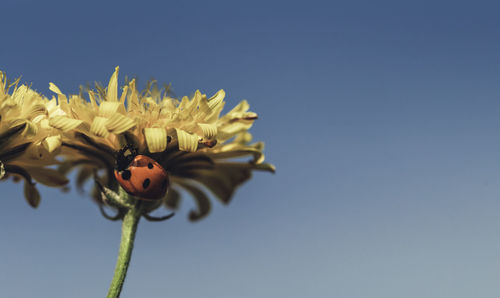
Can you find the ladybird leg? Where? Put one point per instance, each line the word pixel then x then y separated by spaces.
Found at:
pixel 116 217
pixel 154 218
pixel 107 194
pixel 134 150
pixel 112 198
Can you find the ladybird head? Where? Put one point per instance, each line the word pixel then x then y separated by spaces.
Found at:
pixel 125 156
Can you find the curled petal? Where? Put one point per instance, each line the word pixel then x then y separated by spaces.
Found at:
pixel 98 127
pixel 156 139
pixel 209 130
pixel 119 123
pixel 52 143
pixel 64 123
pixel 31 129
pixel 187 141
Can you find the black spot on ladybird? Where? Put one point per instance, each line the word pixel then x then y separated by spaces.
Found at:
pixel 164 183
pixel 150 165
pixel 126 175
pixel 146 183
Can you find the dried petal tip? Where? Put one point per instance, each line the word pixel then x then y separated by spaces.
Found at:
pixel 31 194
pixel 2 170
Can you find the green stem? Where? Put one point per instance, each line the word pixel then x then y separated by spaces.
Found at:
pixel 129 227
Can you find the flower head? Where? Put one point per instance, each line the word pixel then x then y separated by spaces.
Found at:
pixel 187 137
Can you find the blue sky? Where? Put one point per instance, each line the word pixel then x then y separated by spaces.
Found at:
pixel 381 117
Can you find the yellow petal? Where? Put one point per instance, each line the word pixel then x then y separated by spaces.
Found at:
pixel 240 113
pixel 112 92
pixel 243 138
pixel 98 127
pixel 61 97
pixel 124 94
pixel 184 103
pixel 265 167
pixel 54 88
pixel 45 124
pixel 64 123
pixel 229 130
pixel 119 123
pixel 93 100
pixel 187 141
pixel 108 109
pixel 216 100
pixel 133 100
pixel 58 112
pixel 156 139
pixel 3 82
pixel 52 143
pixel 237 150
pixel 193 104
pixel 204 110
pixel 37 110
pixel 209 130
pixel 242 107
pixel 31 129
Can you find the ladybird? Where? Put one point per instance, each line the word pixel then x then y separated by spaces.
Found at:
pixel 140 175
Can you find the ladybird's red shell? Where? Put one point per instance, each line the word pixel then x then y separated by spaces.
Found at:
pixel 144 178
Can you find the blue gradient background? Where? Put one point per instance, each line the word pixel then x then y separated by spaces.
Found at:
pixel 382 119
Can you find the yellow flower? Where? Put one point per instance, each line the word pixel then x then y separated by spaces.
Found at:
pixel 27 146
pixel 187 137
